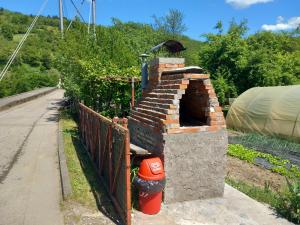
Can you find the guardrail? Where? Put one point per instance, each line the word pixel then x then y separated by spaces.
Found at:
pixel 7 102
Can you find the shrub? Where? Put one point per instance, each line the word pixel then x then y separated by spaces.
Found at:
pixel 289 202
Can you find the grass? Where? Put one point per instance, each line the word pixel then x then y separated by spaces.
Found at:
pixel 86 186
pixel 80 179
pixel 286 203
pixel 265 195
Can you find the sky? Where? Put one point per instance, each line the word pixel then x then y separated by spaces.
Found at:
pixel 200 15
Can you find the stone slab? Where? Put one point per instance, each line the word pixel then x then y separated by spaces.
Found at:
pixel 162 60
pixel 235 208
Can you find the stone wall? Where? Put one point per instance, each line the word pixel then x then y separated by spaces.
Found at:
pixel 194 165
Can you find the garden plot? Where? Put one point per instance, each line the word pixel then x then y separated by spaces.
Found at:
pixel 272 145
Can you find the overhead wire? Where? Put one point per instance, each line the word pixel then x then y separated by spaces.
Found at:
pixel 77 13
pixel 24 38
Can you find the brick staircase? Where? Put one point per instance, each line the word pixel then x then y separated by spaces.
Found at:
pixel 159 107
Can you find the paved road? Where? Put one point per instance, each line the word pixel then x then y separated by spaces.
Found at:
pixel 29 171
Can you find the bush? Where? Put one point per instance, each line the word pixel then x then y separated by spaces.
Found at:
pixel 289 202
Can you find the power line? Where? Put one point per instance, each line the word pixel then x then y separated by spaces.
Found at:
pixel 29 29
pixel 77 13
pixel 77 10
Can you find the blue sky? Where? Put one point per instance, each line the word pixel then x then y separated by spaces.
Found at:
pixel 200 15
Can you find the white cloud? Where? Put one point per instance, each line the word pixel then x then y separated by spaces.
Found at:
pixel 292 23
pixel 245 3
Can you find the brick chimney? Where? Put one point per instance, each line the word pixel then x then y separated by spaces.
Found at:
pixel 159 65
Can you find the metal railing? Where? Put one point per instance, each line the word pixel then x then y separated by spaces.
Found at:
pixel 108 144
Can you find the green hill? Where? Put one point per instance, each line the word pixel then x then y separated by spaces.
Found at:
pixel 235 60
pixel 36 64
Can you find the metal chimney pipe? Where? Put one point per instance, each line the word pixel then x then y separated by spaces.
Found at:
pixel 144 70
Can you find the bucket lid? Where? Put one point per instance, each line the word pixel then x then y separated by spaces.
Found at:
pixel 151 169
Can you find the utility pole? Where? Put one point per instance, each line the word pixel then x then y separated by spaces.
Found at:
pixel 61 17
pixel 94 16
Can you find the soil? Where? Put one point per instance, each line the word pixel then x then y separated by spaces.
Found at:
pixel 254 175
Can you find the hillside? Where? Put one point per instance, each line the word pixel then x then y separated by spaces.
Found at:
pixel 235 60
pixel 35 65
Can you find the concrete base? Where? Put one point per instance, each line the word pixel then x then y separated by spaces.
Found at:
pixel 194 165
pixel 235 208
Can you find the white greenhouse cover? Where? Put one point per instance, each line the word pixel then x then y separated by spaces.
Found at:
pixel 267 110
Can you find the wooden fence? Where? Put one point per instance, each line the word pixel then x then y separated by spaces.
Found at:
pixel 108 144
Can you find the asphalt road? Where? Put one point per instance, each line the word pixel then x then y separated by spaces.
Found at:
pixel 30 191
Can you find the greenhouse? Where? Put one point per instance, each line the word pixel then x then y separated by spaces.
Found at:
pixel 267 110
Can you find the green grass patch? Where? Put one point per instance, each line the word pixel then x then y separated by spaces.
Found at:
pixel 286 203
pixel 86 186
pixel 265 195
pixel 281 166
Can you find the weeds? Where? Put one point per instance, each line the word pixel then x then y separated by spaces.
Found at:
pixel 289 202
pixel 265 194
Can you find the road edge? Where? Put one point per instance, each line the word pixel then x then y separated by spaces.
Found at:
pixel 25 99
pixel 64 173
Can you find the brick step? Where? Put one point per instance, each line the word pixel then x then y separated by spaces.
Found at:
pixel 179 81
pixel 168 91
pixel 172 86
pixel 135 115
pixel 152 119
pixel 169 118
pixel 158 109
pixel 163 116
pixel 163 96
pixel 151 112
pixel 146 122
pixel 161 100
pixel 159 105
pixel 184 76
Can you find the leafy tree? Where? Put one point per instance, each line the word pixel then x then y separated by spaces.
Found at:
pixel 7 31
pixel 237 63
pixel 171 24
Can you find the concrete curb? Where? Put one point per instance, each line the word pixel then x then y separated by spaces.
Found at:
pixel 14 100
pixel 64 174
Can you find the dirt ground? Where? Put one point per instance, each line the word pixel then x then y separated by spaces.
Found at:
pixel 251 174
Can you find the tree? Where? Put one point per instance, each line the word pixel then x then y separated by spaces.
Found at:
pixel 7 31
pixel 237 62
pixel 172 24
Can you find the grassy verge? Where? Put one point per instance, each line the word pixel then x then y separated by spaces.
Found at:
pixel 88 194
pixel 265 195
pixel 80 169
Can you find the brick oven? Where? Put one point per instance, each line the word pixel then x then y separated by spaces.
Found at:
pixel 179 119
